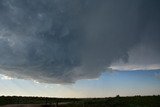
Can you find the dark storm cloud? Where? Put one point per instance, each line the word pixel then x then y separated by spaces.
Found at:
pixel 57 41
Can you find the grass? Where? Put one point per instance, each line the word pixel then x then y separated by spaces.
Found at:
pixel 135 101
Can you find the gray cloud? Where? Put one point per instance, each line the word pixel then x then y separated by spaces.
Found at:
pixel 56 41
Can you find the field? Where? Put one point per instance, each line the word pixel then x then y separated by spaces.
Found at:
pixel 135 101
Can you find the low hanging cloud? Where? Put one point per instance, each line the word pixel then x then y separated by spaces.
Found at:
pixel 60 42
pixel 142 57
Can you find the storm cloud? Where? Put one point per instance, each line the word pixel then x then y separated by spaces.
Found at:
pixel 62 41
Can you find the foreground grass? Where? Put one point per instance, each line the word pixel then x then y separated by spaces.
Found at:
pixel 136 101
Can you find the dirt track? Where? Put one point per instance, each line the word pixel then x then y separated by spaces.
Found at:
pixel 27 105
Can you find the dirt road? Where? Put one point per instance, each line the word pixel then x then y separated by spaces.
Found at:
pixel 28 105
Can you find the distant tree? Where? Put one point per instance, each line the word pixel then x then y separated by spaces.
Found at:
pixel 117 96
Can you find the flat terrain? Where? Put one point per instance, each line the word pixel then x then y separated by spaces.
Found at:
pixel 27 105
pixel 135 101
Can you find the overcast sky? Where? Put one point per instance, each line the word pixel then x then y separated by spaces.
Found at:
pixel 67 41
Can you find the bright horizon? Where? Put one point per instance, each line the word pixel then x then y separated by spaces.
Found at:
pixel 107 85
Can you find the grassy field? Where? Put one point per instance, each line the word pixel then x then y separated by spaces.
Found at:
pixel 136 101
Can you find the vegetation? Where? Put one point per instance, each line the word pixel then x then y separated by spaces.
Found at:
pixel 136 101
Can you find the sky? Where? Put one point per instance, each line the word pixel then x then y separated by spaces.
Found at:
pixel 79 48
